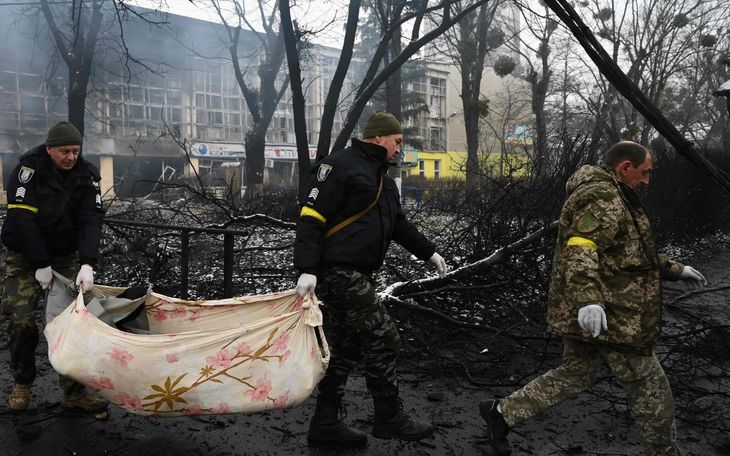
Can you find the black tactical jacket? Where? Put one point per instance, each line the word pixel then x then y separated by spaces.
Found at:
pixel 344 183
pixel 53 213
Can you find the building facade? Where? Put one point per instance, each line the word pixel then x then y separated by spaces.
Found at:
pixel 177 109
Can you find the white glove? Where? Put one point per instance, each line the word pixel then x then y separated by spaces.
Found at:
pixel 692 277
pixel 306 284
pixel 440 264
pixel 591 318
pixel 85 278
pixel 44 276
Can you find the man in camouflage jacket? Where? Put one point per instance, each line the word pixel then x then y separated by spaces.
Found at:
pixel 605 302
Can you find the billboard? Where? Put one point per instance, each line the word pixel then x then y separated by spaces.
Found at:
pixel 235 151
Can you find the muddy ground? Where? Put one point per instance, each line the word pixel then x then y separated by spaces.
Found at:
pixel 594 423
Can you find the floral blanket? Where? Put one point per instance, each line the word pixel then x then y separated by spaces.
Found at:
pixel 244 354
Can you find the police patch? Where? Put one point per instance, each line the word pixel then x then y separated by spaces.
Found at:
pixel 587 224
pixel 313 194
pixel 25 174
pixel 323 171
pixel 20 194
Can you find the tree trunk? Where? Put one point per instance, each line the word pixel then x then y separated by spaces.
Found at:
pixel 291 43
pixel 366 91
pixel 77 99
pixel 78 53
pixel 255 160
pixel 393 85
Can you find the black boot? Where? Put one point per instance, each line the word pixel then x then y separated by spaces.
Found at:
pixel 326 428
pixel 497 428
pixel 392 423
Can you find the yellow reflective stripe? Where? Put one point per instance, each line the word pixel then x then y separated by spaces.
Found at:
pixel 23 206
pixel 312 213
pixel 575 240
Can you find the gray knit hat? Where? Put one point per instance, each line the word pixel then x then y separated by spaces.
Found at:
pixel 381 123
pixel 63 134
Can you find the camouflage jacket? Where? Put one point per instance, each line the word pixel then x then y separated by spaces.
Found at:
pixel 605 255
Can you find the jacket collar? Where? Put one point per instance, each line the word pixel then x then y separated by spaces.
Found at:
pixel 372 151
pixel 627 191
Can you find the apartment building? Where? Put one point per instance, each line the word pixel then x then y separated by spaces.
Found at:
pixel 177 109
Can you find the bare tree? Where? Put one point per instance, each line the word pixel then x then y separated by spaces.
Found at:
pixel 660 43
pixel 377 73
pixel 74 27
pixel 468 45
pixel 539 60
pixel 388 14
pixel 690 100
pixel 266 59
pixel 292 34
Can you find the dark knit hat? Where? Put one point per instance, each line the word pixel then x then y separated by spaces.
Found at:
pixel 63 134
pixel 381 123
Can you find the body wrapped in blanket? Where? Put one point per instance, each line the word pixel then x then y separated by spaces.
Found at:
pixel 180 357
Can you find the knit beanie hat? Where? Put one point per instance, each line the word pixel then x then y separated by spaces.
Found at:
pixel 381 123
pixel 63 134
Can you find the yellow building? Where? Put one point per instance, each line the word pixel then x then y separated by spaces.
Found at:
pixel 452 164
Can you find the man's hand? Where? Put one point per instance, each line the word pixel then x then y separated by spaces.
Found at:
pixel 440 264
pixel 44 276
pixel 692 277
pixel 306 284
pixel 85 278
pixel 592 318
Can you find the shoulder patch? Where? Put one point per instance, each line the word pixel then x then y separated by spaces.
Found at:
pixel 20 194
pixel 313 194
pixel 25 174
pixel 587 223
pixel 323 171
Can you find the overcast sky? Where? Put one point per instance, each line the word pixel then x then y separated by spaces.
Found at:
pixel 328 16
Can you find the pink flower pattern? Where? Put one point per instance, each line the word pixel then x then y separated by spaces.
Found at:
pixel 192 411
pixel 123 356
pixel 222 408
pixel 243 348
pixel 84 314
pixel 56 344
pixel 221 360
pixel 179 312
pixel 284 357
pixel 281 342
pixel 261 392
pixel 128 401
pixel 282 400
pixel 99 383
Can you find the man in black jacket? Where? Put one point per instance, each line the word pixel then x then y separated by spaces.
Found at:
pixel 351 214
pixel 54 219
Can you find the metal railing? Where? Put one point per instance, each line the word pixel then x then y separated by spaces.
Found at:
pixel 228 242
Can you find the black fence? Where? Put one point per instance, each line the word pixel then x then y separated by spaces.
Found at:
pixel 228 243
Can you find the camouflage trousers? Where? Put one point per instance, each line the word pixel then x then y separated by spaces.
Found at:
pixel 20 301
pixel 358 328
pixel 647 388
